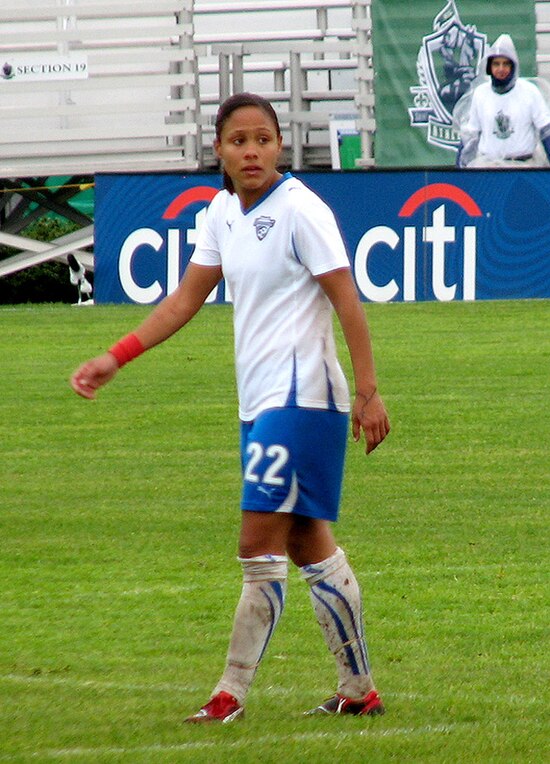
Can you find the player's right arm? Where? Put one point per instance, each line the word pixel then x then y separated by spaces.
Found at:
pixel 176 310
pixel 470 134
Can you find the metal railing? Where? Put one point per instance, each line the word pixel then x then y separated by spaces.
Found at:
pixel 317 68
pixel 136 106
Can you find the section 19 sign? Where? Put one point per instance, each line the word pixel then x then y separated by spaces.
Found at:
pixel 411 235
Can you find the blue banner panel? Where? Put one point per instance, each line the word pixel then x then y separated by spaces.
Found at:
pixel 411 235
pixel 145 230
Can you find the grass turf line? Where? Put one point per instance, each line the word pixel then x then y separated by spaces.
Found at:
pixel 118 516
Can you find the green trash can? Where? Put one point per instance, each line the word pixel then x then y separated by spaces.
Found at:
pixel 345 141
pixel 350 150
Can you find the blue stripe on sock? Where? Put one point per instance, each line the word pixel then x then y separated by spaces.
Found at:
pixel 277 589
pixel 341 632
pixel 358 633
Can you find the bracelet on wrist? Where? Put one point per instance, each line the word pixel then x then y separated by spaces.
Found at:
pixel 366 398
pixel 126 349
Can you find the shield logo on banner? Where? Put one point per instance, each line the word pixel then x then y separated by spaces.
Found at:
pixel 447 65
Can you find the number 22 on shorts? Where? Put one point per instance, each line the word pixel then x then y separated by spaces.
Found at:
pixel 279 455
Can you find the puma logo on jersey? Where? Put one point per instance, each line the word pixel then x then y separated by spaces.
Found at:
pixel 262 226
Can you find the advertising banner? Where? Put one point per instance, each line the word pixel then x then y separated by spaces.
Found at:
pixel 145 230
pixel 426 60
pixel 411 235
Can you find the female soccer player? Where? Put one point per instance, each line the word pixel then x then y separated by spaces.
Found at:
pixel 280 250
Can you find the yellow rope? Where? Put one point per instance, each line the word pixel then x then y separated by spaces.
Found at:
pixel 80 186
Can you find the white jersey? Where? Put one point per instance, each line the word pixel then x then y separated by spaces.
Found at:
pixel 284 345
pixel 508 123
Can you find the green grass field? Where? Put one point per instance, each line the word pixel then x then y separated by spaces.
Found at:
pixel 118 529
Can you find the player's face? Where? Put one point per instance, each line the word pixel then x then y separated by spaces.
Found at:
pixel 249 148
pixel 500 67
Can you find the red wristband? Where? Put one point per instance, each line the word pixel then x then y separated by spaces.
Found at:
pixel 127 349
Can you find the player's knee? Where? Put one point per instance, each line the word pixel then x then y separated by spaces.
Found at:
pixel 263 533
pixel 310 541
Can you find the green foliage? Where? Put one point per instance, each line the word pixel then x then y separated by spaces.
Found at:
pixel 48 282
pixel 119 521
pixel 48 228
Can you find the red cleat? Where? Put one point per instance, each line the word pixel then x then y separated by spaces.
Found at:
pixel 223 708
pixel 370 705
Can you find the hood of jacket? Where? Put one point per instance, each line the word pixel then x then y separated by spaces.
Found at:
pixel 503 46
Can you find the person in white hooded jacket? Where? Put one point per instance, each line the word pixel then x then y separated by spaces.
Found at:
pixel 508 115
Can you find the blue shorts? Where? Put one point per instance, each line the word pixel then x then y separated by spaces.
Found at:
pixel 293 461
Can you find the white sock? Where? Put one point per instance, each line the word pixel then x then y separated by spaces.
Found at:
pixel 258 611
pixel 336 598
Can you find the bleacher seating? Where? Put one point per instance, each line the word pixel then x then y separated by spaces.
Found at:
pixel 146 96
pixel 132 106
pixel 155 71
pixel 135 108
pixel 321 64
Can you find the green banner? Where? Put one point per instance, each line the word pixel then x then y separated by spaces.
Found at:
pixel 426 54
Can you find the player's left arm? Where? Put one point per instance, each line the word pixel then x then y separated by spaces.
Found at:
pixel 545 139
pixel 368 412
pixel 541 119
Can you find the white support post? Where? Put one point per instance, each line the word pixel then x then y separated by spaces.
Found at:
pixel 238 72
pixel 188 89
pixel 63 47
pixel 224 76
pixel 363 22
pixel 322 26
pixel 296 105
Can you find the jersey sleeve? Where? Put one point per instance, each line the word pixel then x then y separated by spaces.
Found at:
pixel 207 251
pixel 316 239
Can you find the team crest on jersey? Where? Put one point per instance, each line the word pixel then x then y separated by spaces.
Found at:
pixel 262 226
pixel 446 65
pixel 503 128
